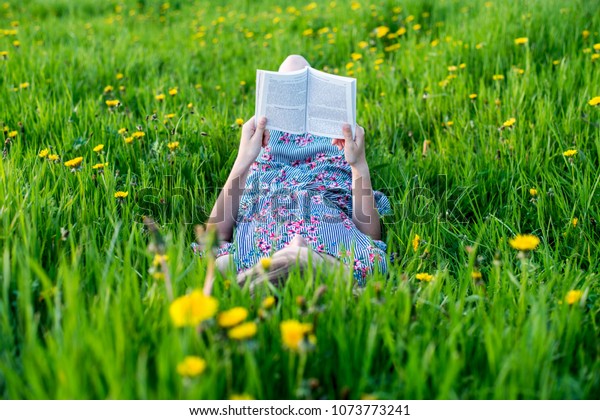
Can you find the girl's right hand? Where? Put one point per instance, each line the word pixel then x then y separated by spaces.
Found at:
pixel 253 138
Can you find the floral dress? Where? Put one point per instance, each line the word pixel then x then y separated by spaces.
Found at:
pixel 301 184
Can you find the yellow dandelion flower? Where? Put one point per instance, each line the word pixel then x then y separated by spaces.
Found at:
pixel 381 31
pixel 239 122
pixel 12 134
pixel 120 76
pixel 268 302
pixel 595 57
pixel 392 47
pixel 43 153
pixel 129 140
pixel 452 68
pixel 98 148
pixel 108 89
pixel 158 275
pixel 574 221
pixel 595 101
pixel 158 259
pixel 173 145
pixel 74 163
pixel 173 91
pixel 355 5
pixel 462 66
pixel 573 296
pixel 191 366
pixel 448 123
pixel 122 130
pixel 585 34
pixel 241 397
pixel 476 275
pixel 497 77
pixel 307 32
pixel 191 310
pixel 363 44
pixel 4 54
pixel 111 103
pixel 473 96
pixel 170 116
pixel 378 61
pixel 310 6
pixel 424 277
pixel 53 158
pixel 265 263
pixel 160 97
pixel 243 332
pixel 100 166
pixel 524 242
pixel 232 317
pixel 570 153
pixel 293 332
pixel 16 44
pixel 401 31
pixel 138 134
pixel 521 41
pixel 356 56
pixel 597 47
pixel 415 242
pixel 416 27
pixel 121 194
pixel 509 123
pixel 24 85
pixel 190 105
pixel 533 192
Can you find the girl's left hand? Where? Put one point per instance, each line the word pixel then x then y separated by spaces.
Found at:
pixel 354 149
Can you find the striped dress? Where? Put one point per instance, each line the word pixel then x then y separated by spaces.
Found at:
pixel 301 184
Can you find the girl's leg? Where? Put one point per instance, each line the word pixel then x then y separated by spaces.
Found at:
pixel 224 262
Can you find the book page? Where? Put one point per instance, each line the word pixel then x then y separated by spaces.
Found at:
pixel 331 103
pixel 281 97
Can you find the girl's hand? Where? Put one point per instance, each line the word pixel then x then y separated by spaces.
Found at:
pixel 253 138
pixel 354 149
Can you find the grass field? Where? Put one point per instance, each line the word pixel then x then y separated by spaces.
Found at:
pixel 86 313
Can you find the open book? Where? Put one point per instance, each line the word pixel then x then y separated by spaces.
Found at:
pixel 306 101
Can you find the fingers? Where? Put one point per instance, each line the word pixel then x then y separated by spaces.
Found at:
pixel 265 139
pixel 347 130
pixel 359 136
pixel 260 129
pixel 248 128
pixel 339 143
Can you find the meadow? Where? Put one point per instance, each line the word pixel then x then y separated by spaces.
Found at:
pixel 482 124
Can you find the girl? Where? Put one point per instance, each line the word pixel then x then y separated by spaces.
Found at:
pixel 299 199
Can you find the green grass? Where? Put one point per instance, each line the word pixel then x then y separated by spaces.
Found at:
pixel 82 317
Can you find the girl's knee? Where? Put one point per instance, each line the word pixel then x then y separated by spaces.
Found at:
pixel 224 262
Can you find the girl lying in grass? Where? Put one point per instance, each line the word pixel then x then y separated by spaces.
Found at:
pixel 301 200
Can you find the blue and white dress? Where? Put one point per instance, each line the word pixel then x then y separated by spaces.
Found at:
pixel 301 184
